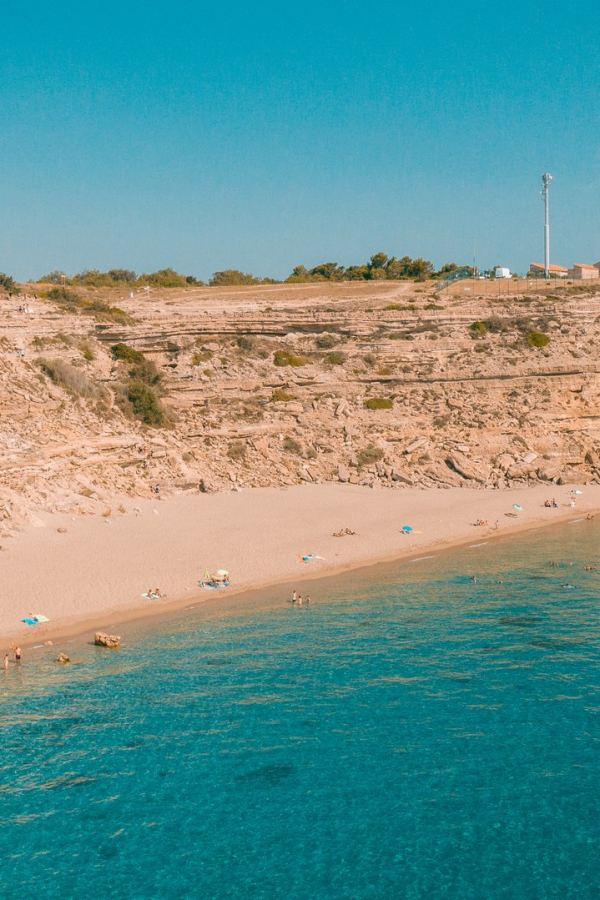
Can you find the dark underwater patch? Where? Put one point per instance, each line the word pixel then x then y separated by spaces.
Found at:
pixel 520 621
pixel 267 774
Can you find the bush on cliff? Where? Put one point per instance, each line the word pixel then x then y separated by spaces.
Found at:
pixel 369 456
pixel 537 339
pixel 71 302
pixel 284 358
pixel 378 403
pixel 145 404
pixel 141 369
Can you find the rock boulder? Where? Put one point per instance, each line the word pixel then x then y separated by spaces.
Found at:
pixel 107 640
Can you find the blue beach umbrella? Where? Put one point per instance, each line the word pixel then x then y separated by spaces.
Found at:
pixel 517 506
pixel 406 528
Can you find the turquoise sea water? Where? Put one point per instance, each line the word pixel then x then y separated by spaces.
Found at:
pixel 411 734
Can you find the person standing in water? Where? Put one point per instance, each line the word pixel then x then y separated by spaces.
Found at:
pixel 294 596
pixel 17 654
pixel 6 660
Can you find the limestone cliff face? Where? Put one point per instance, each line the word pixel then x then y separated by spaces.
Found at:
pixel 386 384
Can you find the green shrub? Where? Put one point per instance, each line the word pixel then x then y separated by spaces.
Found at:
pixel 145 404
pixel 336 359
pixel 280 395
pixel 396 306
pixel 71 302
pixel 245 343
pixel 384 370
pixel 478 328
pixel 537 339
pixel 237 451
pixel 40 342
pixel 168 278
pixel 127 354
pixel 8 283
pixel 284 358
pixel 325 341
pixel 369 456
pixel 291 445
pixel 496 325
pixel 201 356
pixel 378 403
pixel 141 369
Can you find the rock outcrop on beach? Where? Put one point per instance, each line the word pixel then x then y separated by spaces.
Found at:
pixel 385 384
pixel 113 641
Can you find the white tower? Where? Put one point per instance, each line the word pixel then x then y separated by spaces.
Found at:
pixel 546 179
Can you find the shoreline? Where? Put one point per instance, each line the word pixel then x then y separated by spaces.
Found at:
pixel 84 604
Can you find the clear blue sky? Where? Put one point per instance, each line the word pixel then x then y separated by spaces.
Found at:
pixel 259 136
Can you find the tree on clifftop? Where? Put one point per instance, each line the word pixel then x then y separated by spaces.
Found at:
pixel 167 278
pixel 8 283
pixel 230 277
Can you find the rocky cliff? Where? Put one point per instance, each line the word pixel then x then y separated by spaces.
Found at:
pixel 385 384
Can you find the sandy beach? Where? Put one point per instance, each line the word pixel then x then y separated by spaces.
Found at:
pixel 90 571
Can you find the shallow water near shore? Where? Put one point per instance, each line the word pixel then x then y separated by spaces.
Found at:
pixel 410 734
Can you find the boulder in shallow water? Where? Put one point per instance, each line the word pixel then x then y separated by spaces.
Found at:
pixel 63 658
pixel 107 640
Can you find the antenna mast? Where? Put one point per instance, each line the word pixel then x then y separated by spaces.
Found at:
pixel 546 179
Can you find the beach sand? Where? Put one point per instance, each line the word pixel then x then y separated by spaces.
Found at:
pixel 94 573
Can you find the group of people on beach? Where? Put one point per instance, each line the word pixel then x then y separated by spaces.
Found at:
pixel 297 599
pixel 551 503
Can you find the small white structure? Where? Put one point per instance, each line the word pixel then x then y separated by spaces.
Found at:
pixel 501 272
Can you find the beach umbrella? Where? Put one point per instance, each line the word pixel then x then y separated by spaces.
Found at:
pixel 407 528
pixel 517 506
